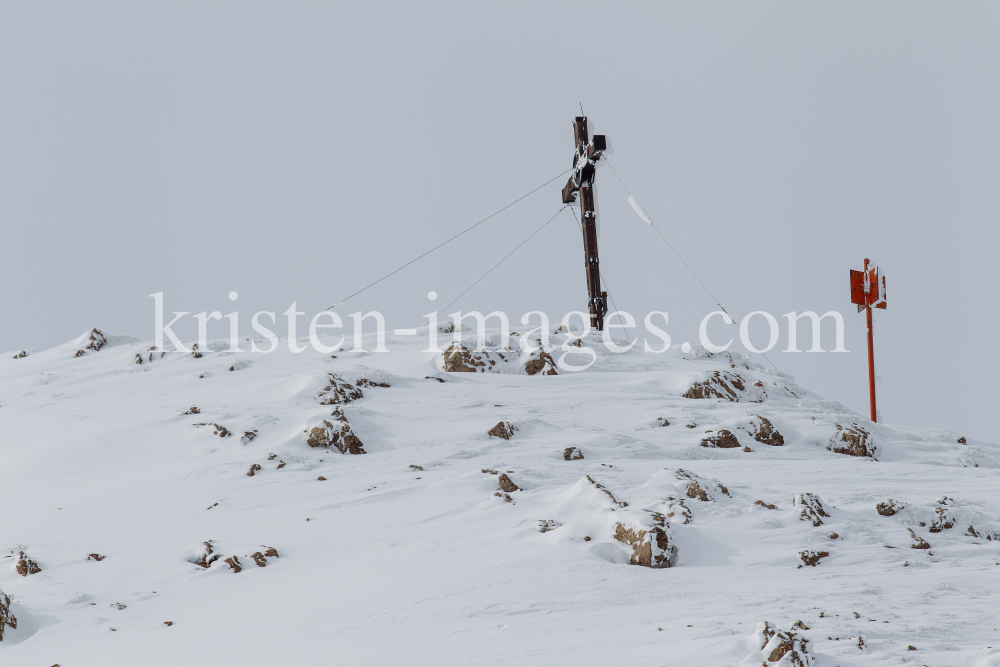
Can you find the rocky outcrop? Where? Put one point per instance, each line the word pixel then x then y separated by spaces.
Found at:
pixel 784 649
pixel 97 341
pixel 540 361
pixel 26 566
pixel 853 441
pixel 220 431
pixel 339 392
pixel 96 557
pixel 765 433
pixel 943 517
pixel 572 454
pixel 459 359
pixel 918 542
pixel 812 558
pixel 699 487
pixel 506 484
pixel 208 557
pixel 335 431
pixel 651 545
pixel 889 507
pixel 503 430
pixel 253 469
pixel 234 563
pixel 607 492
pixel 261 558
pixel 546 525
pixel 7 619
pixel 723 440
pixel 20 355
pixel 810 508
pixel 727 386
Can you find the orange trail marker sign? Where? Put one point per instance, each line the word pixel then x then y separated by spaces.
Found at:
pixel 868 291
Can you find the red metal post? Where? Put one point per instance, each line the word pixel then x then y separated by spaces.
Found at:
pixel 871 356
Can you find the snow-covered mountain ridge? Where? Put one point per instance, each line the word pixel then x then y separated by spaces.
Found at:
pixel 677 509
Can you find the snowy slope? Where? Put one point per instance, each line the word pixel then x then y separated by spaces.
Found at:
pixel 412 554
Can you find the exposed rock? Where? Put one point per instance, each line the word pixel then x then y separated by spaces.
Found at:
pixel 727 386
pixel 208 557
pixel 20 355
pixel 506 484
pixel 678 506
pixel 961 440
pixel 651 547
pixel 663 422
pixel 545 525
pixel 248 436
pixel 608 492
pixel 812 558
pixel 889 507
pixel 261 558
pixel 723 439
pixel 339 392
pixel 765 505
pixel 339 434
pixel 811 508
pixel 26 566
pixel 918 542
pixel 943 519
pixel 220 431
pixel 540 362
pixel 255 467
pixel 415 467
pixel 7 619
pixel 194 351
pixel 788 649
pixel 853 441
pixel 281 464
pixel 503 430
pixel 490 472
pixel 765 433
pixel 234 563
pixel 321 478
pixel 698 487
pixel 572 454
pixel 97 341
pixel 365 382
pixel 693 490
pixel 459 359
pixel 97 557
pixel 193 411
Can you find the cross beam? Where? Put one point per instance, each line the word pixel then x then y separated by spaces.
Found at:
pixel 585 159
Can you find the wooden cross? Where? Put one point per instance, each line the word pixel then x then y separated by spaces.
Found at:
pixel 582 181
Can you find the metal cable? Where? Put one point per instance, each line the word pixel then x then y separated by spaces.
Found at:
pixel 468 229
pixel 669 245
pixel 505 258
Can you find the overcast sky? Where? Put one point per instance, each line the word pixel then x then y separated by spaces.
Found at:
pixel 298 151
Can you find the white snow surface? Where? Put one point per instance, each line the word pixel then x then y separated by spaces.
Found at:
pixel 386 564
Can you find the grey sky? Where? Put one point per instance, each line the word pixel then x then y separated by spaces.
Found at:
pixel 297 151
